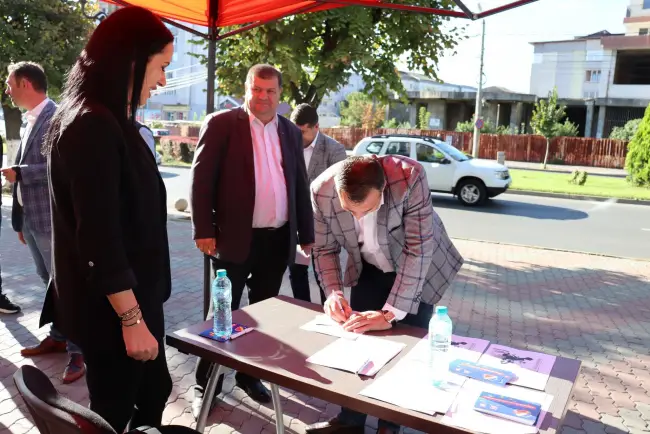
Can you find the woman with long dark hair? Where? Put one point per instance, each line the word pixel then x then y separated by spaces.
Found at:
pixel 111 268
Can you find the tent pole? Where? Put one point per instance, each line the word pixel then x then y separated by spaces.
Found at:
pixel 209 108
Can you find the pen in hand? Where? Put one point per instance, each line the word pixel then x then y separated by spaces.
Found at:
pixel 338 303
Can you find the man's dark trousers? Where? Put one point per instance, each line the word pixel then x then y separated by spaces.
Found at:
pixel 299 278
pixel 371 293
pixel 266 265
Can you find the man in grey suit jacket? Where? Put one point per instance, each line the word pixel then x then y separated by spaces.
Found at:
pixel 400 260
pixel 320 152
pixel 30 214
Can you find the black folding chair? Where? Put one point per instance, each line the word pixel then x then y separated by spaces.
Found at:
pixel 56 414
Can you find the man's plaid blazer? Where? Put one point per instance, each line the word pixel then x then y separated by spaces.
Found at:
pixel 410 233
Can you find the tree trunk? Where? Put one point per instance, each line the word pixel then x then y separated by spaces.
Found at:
pixel 548 146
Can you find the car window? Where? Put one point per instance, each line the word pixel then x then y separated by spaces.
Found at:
pixel 399 148
pixel 428 154
pixel 374 147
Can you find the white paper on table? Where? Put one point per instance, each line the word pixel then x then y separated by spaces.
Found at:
pixel 364 356
pixel 532 369
pixel 327 326
pixel 469 349
pixel 408 385
pixel 463 415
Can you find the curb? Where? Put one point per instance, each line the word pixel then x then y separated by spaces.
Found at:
pixel 173 214
pixel 553 249
pixel 566 171
pixel 577 197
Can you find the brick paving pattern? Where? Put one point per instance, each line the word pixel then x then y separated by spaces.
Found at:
pixel 586 307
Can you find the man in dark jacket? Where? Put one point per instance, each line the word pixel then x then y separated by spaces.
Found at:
pixel 250 200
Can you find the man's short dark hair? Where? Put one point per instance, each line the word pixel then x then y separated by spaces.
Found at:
pixel 32 72
pixel 359 175
pixel 305 114
pixel 264 71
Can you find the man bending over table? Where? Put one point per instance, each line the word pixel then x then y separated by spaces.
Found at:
pixel 400 261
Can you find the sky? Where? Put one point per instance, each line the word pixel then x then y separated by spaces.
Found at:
pixel 508 53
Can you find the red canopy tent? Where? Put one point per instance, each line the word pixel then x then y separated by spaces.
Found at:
pixel 215 14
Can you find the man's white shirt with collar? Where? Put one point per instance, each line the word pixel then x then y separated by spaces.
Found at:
pixel 371 252
pixel 31 116
pixel 309 150
pixel 271 203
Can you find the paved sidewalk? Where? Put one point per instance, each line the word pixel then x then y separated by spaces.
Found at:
pixel 592 308
pixel 561 168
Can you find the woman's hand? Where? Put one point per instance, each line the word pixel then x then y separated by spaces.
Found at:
pixel 140 343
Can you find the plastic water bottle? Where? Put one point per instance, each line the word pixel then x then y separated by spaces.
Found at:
pixel 222 305
pixel 440 329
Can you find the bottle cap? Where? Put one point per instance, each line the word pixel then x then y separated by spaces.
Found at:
pixel 221 273
pixel 441 310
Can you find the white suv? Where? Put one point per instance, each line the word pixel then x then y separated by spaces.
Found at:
pixel 448 170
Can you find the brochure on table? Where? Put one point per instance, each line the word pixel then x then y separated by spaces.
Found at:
pixel 462 413
pixel 532 369
pixel 407 385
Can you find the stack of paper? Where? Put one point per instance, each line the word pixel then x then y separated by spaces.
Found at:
pixel 408 384
pixel 463 415
pixel 327 326
pixel 364 356
pixel 532 369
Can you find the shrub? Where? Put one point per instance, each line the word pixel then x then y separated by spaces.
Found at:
pixel 179 148
pixel 626 132
pixel 637 162
pixel 578 177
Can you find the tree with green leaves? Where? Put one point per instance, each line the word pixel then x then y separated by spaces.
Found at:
pixel 318 52
pixel 637 161
pixel 49 32
pixel 423 118
pixel 360 111
pixel 547 120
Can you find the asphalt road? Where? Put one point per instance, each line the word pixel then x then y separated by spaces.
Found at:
pixel 597 227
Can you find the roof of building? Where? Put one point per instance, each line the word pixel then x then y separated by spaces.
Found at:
pixel 597 35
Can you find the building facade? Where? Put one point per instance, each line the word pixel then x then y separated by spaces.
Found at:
pixel 603 78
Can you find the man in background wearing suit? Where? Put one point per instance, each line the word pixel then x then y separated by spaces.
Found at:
pixel 320 152
pixel 30 214
pixel 400 260
pixel 250 201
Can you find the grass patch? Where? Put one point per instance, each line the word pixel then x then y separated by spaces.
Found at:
pixel 602 186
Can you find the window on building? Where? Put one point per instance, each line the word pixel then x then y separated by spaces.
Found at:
pixel 538 58
pixel 593 76
pixel 399 148
pixel 643 31
pixel 595 55
pixel 632 67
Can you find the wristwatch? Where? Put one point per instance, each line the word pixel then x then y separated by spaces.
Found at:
pixel 389 316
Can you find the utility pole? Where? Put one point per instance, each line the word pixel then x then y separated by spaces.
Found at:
pixel 479 97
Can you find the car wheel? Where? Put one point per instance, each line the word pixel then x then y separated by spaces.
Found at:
pixel 471 192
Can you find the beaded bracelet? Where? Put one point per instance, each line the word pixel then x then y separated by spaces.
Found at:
pixel 136 322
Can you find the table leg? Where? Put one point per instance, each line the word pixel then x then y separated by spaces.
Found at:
pixel 208 396
pixel 277 405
